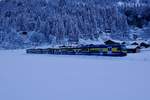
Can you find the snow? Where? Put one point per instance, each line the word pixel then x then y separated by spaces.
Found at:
pixel 132 46
pixel 120 3
pixel 137 1
pixel 139 42
pixel 118 41
pixel 51 77
pixel 89 41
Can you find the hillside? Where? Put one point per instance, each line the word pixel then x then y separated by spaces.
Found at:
pixel 24 23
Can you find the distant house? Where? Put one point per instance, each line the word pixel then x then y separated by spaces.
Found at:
pixel 141 44
pixel 135 43
pixel 133 49
pixel 114 42
pixel 144 45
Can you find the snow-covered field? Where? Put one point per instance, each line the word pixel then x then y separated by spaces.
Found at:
pixel 50 77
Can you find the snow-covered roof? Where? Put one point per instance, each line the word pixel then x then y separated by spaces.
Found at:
pixel 148 41
pixel 131 46
pixel 120 3
pixel 47 46
pixel 139 42
pixel 87 42
pixel 117 41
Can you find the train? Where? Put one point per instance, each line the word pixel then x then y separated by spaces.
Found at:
pixel 99 50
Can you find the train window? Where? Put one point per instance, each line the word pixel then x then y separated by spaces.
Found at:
pixel 101 50
pixel 105 49
pixel 114 49
pixel 94 49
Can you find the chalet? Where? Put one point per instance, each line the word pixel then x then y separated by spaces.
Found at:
pixel 141 44
pixel 114 42
pixel 133 49
pixel 135 43
pixel 144 45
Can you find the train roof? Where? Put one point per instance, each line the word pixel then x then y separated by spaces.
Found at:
pixel 99 46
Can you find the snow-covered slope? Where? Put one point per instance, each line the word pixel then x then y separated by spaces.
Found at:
pixel 25 23
pixel 49 77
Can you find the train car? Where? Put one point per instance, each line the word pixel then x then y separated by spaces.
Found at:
pixel 105 50
pixel 100 50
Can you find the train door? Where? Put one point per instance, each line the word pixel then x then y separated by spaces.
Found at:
pixel 109 50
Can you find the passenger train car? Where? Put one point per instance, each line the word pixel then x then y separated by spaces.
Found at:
pixel 99 50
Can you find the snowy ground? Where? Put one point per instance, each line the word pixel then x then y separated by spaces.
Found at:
pixel 48 77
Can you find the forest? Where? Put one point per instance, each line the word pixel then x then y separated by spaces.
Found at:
pixel 25 23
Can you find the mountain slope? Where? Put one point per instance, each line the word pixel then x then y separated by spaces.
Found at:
pixel 34 22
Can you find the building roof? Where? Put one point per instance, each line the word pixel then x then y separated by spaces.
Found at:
pixel 111 41
pixel 132 46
